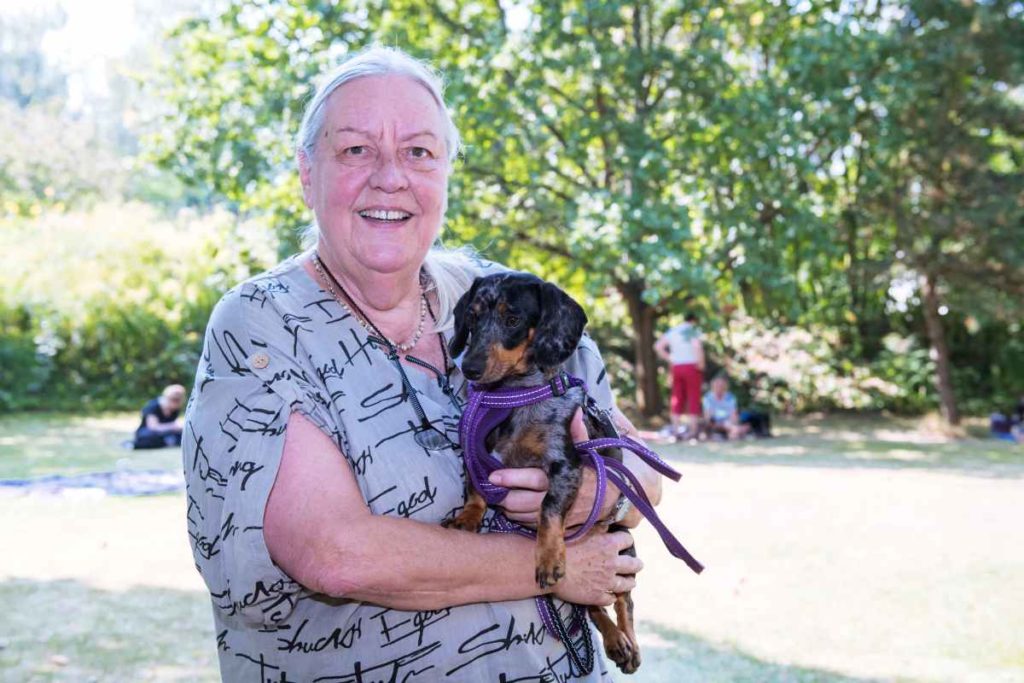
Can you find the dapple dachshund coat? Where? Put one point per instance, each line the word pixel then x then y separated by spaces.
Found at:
pixel 517 331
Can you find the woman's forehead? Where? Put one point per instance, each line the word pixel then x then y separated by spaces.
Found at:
pixel 377 104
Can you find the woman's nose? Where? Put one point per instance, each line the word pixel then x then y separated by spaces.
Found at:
pixel 389 176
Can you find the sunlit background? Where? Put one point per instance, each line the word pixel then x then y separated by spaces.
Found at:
pixel 835 188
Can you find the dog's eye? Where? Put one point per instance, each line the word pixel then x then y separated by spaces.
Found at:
pixel 511 321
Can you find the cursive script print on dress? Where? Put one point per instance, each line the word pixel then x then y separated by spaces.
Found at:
pixel 278 344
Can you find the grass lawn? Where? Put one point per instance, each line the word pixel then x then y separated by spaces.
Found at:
pixel 844 550
pixel 33 445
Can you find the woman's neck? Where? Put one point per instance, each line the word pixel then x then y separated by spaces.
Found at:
pixel 391 301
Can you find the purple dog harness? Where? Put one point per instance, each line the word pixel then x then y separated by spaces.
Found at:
pixel 485 410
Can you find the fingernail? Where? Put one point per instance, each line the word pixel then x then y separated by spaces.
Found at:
pixel 495 479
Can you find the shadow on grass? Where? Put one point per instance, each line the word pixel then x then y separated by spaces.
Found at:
pixel 671 656
pixel 68 631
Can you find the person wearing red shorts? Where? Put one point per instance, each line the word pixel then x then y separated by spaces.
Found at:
pixel 681 347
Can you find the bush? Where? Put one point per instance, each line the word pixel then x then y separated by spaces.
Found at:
pixel 798 369
pixel 101 309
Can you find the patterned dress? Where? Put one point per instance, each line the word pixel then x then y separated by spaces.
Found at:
pixel 279 343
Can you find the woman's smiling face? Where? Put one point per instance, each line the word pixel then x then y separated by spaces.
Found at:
pixel 378 179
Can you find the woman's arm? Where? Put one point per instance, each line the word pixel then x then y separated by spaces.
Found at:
pixel 156 425
pixel 320 532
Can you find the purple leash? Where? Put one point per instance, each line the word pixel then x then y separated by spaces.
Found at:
pixel 485 410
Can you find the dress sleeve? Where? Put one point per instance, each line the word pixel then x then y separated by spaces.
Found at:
pixel 246 388
pixel 587 364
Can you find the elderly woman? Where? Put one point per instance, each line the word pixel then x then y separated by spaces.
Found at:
pixel 319 448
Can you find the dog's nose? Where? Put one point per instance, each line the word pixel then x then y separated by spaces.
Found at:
pixel 471 371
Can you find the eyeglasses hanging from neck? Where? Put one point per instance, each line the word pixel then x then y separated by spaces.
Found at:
pixel 426 434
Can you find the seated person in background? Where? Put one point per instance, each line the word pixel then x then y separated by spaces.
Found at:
pixel 160 424
pixel 1009 427
pixel 1018 421
pixel 721 412
pixel 1001 427
pixel 759 423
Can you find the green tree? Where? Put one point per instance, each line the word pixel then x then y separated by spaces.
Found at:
pixel 587 127
pixel 945 164
pixel 25 75
pixel 232 88
pixel 789 160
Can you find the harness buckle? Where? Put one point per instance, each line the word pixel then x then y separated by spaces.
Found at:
pixel 559 384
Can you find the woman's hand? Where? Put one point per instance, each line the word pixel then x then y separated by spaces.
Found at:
pixel 595 570
pixel 529 484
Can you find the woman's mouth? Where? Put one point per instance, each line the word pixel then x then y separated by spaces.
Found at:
pixel 386 216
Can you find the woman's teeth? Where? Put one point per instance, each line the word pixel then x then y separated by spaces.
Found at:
pixel 382 215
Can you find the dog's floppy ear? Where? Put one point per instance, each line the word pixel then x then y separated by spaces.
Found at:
pixel 559 328
pixel 461 336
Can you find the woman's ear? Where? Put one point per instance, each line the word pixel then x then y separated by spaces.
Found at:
pixel 559 328
pixel 305 171
pixel 461 336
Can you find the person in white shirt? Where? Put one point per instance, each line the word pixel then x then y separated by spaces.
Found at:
pixel 681 347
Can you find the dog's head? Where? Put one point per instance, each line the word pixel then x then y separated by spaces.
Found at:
pixel 512 323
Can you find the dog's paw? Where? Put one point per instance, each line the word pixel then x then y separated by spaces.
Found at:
pixel 463 522
pixel 550 568
pixel 549 576
pixel 623 651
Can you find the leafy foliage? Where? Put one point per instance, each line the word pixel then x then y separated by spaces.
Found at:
pixel 101 309
pixel 841 179
pixel 51 163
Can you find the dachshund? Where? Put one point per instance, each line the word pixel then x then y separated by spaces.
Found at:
pixel 517 331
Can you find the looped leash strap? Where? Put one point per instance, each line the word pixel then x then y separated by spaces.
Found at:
pixel 484 411
pixel 487 409
pixel 630 487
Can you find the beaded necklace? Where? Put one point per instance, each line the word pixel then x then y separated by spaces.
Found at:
pixel 350 305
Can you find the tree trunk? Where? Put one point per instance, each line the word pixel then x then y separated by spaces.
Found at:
pixel 642 318
pixel 937 337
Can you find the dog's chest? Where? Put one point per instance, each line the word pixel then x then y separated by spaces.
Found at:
pixel 536 435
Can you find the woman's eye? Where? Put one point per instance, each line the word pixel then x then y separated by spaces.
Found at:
pixel 511 321
pixel 420 153
pixel 356 150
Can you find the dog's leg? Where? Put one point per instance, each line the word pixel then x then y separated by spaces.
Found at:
pixel 472 512
pixel 630 648
pixel 624 617
pixel 617 645
pixel 563 484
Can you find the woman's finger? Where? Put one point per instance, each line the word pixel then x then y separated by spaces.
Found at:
pixel 627 564
pixel 532 478
pixel 524 519
pixel 621 540
pixel 624 584
pixel 522 500
pixel 577 429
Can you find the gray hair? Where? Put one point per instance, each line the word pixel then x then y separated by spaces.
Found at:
pixel 450 271
pixel 376 60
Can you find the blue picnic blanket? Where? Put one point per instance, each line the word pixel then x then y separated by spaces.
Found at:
pixel 120 483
